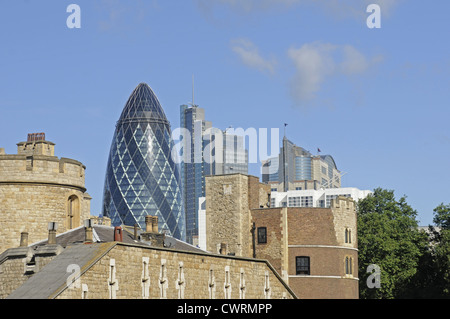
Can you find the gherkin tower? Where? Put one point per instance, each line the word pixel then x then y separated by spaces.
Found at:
pixel 142 178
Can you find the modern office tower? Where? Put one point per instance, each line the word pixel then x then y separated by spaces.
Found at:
pixel 142 178
pixel 297 169
pixel 193 167
pixel 233 156
pixel 315 198
pixel 205 151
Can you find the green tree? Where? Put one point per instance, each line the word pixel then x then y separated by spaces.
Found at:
pixel 441 248
pixel 388 237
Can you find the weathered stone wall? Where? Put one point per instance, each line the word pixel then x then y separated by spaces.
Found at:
pixel 131 272
pixel 227 213
pixel 229 199
pixel 274 249
pixel 17 265
pixel 344 214
pixel 13 271
pixel 35 190
pixel 317 233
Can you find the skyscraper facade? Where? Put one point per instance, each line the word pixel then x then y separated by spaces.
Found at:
pixel 193 167
pixel 297 169
pixel 142 177
pixel 205 151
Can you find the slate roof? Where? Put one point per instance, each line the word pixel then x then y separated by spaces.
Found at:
pixel 52 279
pixel 103 234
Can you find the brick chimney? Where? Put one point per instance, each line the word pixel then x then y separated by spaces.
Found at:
pixel 151 234
pixel 52 227
pixel 155 224
pixel 118 236
pixel 88 231
pixel 148 224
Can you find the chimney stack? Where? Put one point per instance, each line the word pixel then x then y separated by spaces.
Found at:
pixel 223 248
pixel 52 227
pixel 118 233
pixel 148 224
pixel 155 224
pixel 136 231
pixel 151 224
pixel 88 231
pixel 23 239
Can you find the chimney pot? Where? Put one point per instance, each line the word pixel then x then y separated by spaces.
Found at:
pixel 52 227
pixel 118 233
pixel 155 224
pixel 148 223
pixel 88 232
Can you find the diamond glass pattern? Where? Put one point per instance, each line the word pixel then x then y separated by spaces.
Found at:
pixel 141 177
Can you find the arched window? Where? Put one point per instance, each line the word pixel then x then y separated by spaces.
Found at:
pixel 348 235
pixel 73 212
pixel 347 270
pixel 348 265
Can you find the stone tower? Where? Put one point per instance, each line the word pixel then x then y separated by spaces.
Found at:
pixel 315 250
pixel 36 188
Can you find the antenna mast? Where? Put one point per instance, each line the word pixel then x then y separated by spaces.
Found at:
pixel 193 102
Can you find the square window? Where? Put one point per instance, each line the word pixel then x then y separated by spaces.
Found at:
pixel 302 266
pixel 262 235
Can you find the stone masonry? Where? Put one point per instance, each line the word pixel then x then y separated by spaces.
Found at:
pixel 35 187
pixel 326 237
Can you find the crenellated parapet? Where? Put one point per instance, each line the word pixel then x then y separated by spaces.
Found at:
pixel 36 185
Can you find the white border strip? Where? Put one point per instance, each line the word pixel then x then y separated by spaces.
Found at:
pixel 321 246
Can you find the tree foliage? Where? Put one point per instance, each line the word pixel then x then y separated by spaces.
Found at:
pixel 440 247
pixel 414 263
pixel 388 237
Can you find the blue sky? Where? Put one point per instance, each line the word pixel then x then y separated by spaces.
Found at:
pixel 377 100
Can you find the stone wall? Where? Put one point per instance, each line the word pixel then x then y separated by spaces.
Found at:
pixel 131 272
pixel 227 213
pixel 35 190
pixel 229 199
pixel 17 265
pixel 317 233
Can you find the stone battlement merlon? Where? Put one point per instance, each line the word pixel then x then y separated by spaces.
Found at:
pixel 32 168
pixel 41 147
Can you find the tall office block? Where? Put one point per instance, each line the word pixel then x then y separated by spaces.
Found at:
pixel 142 178
pixel 193 167
pixel 297 169
pixel 205 151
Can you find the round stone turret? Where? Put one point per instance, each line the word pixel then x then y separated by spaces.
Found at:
pixel 36 188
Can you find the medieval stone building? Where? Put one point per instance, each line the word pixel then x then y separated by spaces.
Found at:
pixel 104 262
pixel 35 187
pixel 313 249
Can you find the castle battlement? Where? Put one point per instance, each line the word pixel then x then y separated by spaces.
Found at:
pixel 35 163
pixel 35 187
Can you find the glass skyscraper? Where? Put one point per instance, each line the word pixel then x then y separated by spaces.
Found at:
pixel 206 151
pixel 142 178
pixel 297 169
pixel 193 167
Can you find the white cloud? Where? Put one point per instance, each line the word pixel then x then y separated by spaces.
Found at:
pixel 250 56
pixel 313 63
pixel 316 62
